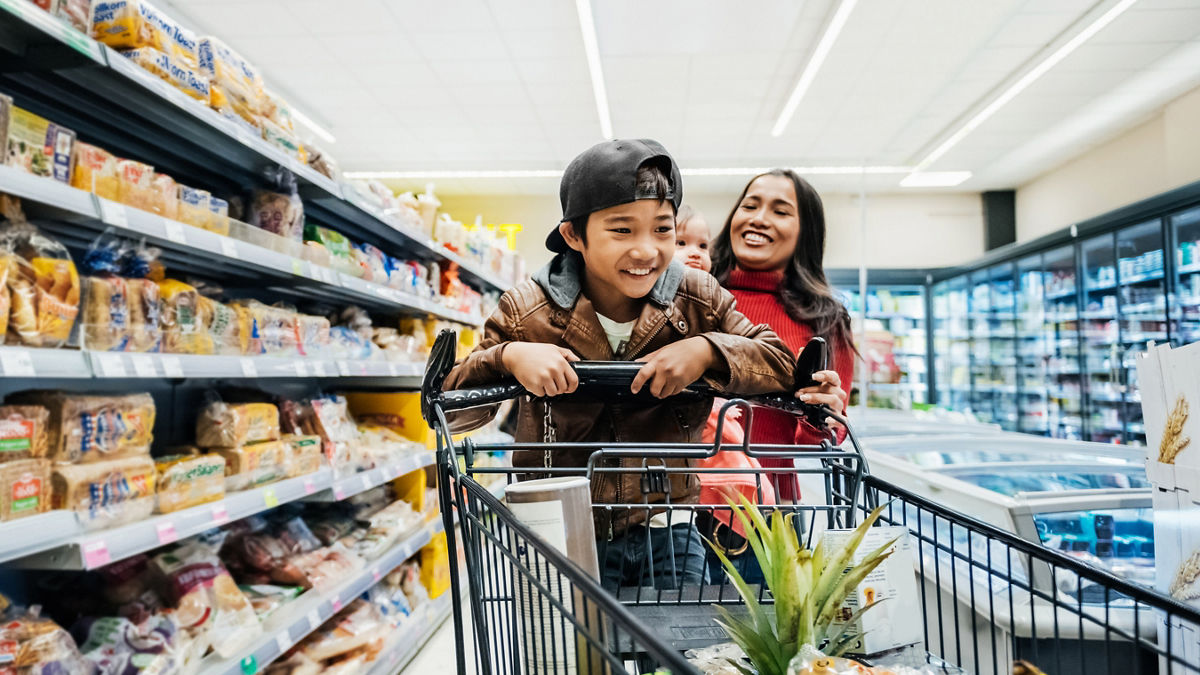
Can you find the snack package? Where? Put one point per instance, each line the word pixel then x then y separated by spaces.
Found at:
pixel 253 464
pixel 224 326
pixel 36 145
pixel 313 334
pixel 207 600
pixel 43 284
pixel 172 70
pixel 302 454
pixel 118 646
pixel 189 480
pixel 329 418
pixel 32 645
pixel 218 210
pixel 166 198
pixel 230 425
pixel 91 428
pixel 24 488
pixel 184 326
pixel 338 246
pixel 24 432
pixel 136 24
pixel 277 213
pixel 137 184
pixel 193 206
pixel 105 494
pixel 240 82
pixel 96 172
pixel 267 598
pixel 355 627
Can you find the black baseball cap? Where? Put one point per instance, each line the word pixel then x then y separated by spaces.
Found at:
pixel 605 175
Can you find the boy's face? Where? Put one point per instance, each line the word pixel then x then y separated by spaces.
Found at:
pixel 691 244
pixel 628 247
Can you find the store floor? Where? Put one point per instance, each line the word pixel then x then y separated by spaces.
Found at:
pixel 438 655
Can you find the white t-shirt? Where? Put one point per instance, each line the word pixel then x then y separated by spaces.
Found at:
pixel 618 333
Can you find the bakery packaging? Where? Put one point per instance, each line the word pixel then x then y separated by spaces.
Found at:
pixel 24 432
pixel 230 425
pixel 253 464
pixel 24 488
pixel 37 145
pixel 92 428
pixel 189 480
pixel 105 494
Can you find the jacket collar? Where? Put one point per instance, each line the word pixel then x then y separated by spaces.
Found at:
pixel 562 281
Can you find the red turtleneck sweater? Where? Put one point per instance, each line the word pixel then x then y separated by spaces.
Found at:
pixel 758 298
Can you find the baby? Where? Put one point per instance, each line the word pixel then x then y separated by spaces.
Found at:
pixel 691 239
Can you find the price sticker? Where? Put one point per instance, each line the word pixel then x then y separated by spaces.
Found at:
pixel 314 620
pixel 113 213
pixel 95 554
pixel 16 362
pixel 283 641
pixel 298 267
pixel 172 366
pixel 309 486
pixel 376 574
pixel 229 248
pixel 339 492
pixel 249 665
pixel 111 365
pixel 318 368
pixel 269 497
pixel 337 605
pixel 343 367
pixel 144 365
pixel 248 368
pixel 175 232
pixel 301 368
pixel 366 482
pixel 220 514
pixel 166 532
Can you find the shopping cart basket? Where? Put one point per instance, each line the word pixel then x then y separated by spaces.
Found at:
pixel 987 598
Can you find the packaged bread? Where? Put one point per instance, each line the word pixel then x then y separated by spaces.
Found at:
pixel 237 78
pixel 136 24
pixel 279 112
pixel 208 604
pixel 184 329
pixel 105 494
pixel 193 206
pixel 145 315
pixel 189 480
pixel 43 284
pixel 282 139
pixel 248 330
pixel 96 172
pixel 24 488
pixel 329 418
pixel 36 145
pixel 90 428
pixel 277 213
pixel 253 464
pixel 74 12
pixel 235 109
pixel 166 198
pixel 172 70
pixel 136 184
pixel 229 425
pixel 223 326
pixel 218 212
pixel 105 314
pixel 312 334
pixel 6 264
pixel 302 454
pixel 24 432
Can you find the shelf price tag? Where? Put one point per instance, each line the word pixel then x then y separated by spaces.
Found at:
pixel 166 532
pixel 229 248
pixel 172 367
pixel 220 514
pixel 248 368
pixel 318 368
pixel 175 232
pixel 339 492
pixel 343 367
pixel 112 213
pixel 16 362
pixel 144 366
pixel 337 605
pixel 269 497
pixel 95 554
pixel 366 482
pixel 298 267
pixel 314 620
pixel 283 641
pixel 309 486
pixel 301 369
pixel 111 365
pixel 375 574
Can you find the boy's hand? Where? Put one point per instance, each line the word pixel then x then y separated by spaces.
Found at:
pixel 828 391
pixel 671 369
pixel 543 369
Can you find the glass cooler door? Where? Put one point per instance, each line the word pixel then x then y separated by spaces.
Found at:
pixel 1034 348
pixel 983 386
pixel 1102 340
pixel 951 344
pixel 1064 404
pixel 1186 310
pixel 1003 348
pixel 1143 314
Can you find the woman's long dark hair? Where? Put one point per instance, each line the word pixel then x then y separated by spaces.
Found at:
pixel 806 293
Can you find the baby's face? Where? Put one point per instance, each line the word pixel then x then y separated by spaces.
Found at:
pixel 691 244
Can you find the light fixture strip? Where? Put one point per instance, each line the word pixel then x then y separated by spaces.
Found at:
pixel 587 26
pixel 555 173
pixel 1027 79
pixel 814 64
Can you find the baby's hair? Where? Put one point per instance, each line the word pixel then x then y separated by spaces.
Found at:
pixel 686 213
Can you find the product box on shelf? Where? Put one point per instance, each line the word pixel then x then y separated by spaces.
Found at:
pixel 1169 381
pixel 1177 564
pixel 35 144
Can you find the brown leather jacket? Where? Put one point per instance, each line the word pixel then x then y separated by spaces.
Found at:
pixel 552 309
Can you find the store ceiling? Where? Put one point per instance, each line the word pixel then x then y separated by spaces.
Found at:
pixel 504 84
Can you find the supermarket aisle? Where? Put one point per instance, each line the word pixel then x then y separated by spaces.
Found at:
pixel 438 655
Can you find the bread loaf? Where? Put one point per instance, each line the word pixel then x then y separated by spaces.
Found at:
pixel 105 493
pixel 230 425
pixel 189 480
pixel 24 432
pixel 24 488
pixel 89 428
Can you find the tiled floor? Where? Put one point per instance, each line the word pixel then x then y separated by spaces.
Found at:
pixel 438 656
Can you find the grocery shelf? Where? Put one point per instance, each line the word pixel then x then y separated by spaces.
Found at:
pixel 48 363
pixel 34 31
pixel 56 540
pixel 413 635
pixel 194 249
pixel 305 614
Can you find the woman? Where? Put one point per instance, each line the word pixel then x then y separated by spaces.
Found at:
pixel 770 256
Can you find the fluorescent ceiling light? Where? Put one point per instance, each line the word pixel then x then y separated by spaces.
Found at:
pixel 555 173
pixel 587 26
pixel 935 179
pixel 316 128
pixel 1026 80
pixel 814 64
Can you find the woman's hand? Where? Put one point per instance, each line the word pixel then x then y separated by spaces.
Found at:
pixel 828 392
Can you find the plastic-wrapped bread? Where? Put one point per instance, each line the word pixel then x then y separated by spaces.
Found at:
pixel 193 206
pixel 137 184
pixel 166 199
pixel 105 494
pixel 36 145
pixel 189 480
pixel 44 286
pixel 96 172
pixel 218 212
pixel 254 464
pixel 24 488
pixel 24 432
pixel 184 322
pixel 172 70
pixel 235 76
pixel 106 314
pixel 223 325
pixel 145 315
pixel 313 334
pixel 90 428
pixel 302 454
pixel 134 24
pixel 230 425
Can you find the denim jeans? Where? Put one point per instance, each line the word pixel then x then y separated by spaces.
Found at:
pixel 745 563
pixel 663 557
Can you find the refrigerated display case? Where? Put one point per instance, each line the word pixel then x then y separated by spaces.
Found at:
pixel 1185 312
pixel 952 345
pixel 1064 376
pixel 895 349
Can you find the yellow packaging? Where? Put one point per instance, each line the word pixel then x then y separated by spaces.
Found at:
pixel 229 425
pixel 133 24
pixel 184 322
pixel 96 172
pixel 193 206
pixel 166 200
pixel 36 145
pixel 435 566
pixel 303 454
pixel 172 70
pixel 240 82
pixel 253 464
pixel 189 480
pixel 400 412
pixel 136 184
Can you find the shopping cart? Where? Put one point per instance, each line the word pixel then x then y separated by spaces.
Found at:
pixel 988 599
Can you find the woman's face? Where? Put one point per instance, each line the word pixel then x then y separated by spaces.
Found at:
pixel 766 225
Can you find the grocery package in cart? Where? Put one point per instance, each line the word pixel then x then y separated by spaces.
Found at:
pixel 968 597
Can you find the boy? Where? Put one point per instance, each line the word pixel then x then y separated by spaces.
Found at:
pixel 612 292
